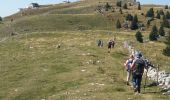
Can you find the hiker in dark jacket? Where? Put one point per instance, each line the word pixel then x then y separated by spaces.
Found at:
pixel 100 43
pixel 137 68
pixel 111 44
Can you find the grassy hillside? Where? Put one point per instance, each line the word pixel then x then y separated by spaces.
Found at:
pixel 32 67
pixel 43 9
pixel 63 22
pixel 76 10
pixel 80 15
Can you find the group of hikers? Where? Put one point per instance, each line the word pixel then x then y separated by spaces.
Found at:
pixel 135 67
pixel 111 44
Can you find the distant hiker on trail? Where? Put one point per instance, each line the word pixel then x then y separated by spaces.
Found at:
pixel 12 19
pixel 133 51
pixel 127 65
pixel 111 44
pixel 137 67
pixel 59 46
pixel 100 43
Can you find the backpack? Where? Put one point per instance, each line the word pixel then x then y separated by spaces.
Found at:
pixel 129 63
pixel 110 43
pixel 139 67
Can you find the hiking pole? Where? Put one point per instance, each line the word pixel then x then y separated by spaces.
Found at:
pixel 145 79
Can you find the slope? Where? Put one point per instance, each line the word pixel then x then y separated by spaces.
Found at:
pixel 33 67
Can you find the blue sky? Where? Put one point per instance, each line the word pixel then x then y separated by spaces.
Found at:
pixel 8 7
pixel 164 2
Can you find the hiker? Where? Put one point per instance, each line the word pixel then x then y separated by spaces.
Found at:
pixel 127 65
pixel 111 44
pixel 59 46
pixel 100 43
pixel 137 72
pixel 12 19
pixel 133 51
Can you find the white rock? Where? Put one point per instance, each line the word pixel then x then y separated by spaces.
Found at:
pixel 83 70
pixel 16 90
pixel 91 83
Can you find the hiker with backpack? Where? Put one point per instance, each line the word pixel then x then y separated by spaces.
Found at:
pixel 137 67
pixel 100 43
pixel 127 65
pixel 111 44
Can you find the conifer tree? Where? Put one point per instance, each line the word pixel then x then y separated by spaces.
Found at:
pixel 125 6
pixel 148 23
pixel 161 12
pixel 166 6
pixel 107 6
pixel 150 13
pixel 129 17
pixel 154 34
pixel 166 51
pixel 119 4
pixel 118 24
pixel 161 31
pixel 139 6
pixel 0 19
pixel 165 22
pixel 158 16
pixel 120 10
pixel 139 37
pixel 135 18
pixel 167 15
pixel 134 23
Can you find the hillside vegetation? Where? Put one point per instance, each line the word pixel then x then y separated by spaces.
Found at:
pixel 34 67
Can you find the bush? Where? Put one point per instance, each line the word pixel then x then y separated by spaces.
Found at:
pixel 166 6
pixel 150 13
pixel 167 15
pixel 134 23
pixel 139 37
pixel 125 6
pixel 129 17
pixel 158 16
pixel 0 19
pixel 161 12
pixel 118 24
pixel 139 6
pixel 120 10
pixel 119 4
pixel 154 34
pixel 148 23
pixel 107 6
pixel 166 51
pixel 165 22
pixel 161 31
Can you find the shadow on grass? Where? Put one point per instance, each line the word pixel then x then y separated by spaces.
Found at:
pixel 119 55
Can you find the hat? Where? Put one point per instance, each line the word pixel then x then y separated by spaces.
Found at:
pixel 138 55
pixel 131 56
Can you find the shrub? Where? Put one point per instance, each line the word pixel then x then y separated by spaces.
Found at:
pixel 139 37
pixel 154 34
pixel 118 24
